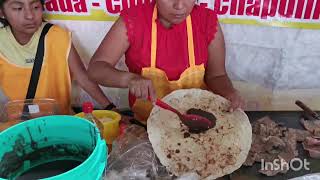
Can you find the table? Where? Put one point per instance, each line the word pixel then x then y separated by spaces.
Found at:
pixel 291 120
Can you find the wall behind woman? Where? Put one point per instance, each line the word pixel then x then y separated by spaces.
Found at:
pixel 270 65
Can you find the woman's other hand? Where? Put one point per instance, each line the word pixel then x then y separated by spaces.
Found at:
pixel 236 101
pixel 216 76
pixel 142 88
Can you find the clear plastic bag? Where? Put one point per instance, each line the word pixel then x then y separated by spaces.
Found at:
pixel 132 157
pixel 3 100
pixel 315 176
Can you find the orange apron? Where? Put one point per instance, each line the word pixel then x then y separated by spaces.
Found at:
pixel 54 80
pixel 192 77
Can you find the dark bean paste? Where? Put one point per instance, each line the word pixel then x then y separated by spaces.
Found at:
pixel 202 113
pixel 28 160
pixel 56 158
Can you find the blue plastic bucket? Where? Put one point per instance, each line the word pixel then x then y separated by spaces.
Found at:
pixel 66 137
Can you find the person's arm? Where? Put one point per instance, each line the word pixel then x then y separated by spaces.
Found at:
pixel 102 65
pixel 216 77
pixel 79 74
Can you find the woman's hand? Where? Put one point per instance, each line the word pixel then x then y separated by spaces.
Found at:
pixel 236 100
pixel 142 88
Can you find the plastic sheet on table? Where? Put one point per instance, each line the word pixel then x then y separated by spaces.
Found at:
pixel 315 176
pixel 132 157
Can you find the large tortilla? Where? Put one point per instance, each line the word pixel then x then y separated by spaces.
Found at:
pixel 212 154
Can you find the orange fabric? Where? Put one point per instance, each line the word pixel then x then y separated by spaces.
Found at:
pixel 192 77
pixel 54 81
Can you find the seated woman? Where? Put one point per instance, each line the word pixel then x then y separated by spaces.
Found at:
pixel 169 45
pixel 23 25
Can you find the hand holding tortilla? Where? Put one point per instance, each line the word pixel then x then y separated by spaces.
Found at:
pixel 236 100
pixel 211 154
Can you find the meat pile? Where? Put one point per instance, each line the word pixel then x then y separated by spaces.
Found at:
pixel 272 141
pixel 312 144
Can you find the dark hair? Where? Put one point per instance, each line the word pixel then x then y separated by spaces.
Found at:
pixel 3 21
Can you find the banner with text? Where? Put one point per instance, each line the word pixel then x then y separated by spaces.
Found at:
pixel 284 13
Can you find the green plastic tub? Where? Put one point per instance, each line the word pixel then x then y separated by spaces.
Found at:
pixel 50 139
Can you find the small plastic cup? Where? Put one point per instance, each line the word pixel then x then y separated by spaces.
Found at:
pixel 110 123
pixel 31 108
pixel 17 111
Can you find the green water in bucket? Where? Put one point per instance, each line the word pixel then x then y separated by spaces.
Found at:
pixel 66 142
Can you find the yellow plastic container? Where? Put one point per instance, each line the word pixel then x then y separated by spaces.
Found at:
pixel 108 123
